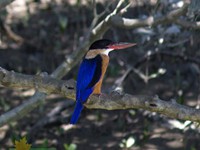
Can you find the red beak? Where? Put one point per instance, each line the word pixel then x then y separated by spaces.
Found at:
pixel 120 45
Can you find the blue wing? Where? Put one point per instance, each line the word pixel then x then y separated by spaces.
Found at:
pixel 89 74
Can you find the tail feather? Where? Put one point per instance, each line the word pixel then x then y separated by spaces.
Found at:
pixel 76 113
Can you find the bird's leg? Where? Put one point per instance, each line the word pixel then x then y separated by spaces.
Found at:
pixel 117 92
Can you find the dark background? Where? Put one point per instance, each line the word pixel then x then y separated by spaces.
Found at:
pixel 52 30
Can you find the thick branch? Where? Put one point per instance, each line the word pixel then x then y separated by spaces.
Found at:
pixel 41 83
pixel 151 103
pixel 110 102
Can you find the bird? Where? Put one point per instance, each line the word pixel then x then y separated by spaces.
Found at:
pixel 92 70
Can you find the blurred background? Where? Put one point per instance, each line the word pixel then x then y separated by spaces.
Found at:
pixel 37 35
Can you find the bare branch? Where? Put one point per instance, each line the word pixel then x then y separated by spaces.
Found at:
pixel 127 23
pixel 187 24
pixel 11 34
pixel 97 16
pixel 110 102
pixel 152 55
pixel 18 112
pixel 123 10
pixel 151 103
pixel 118 7
pixel 150 21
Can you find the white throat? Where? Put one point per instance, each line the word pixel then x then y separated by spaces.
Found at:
pixel 107 51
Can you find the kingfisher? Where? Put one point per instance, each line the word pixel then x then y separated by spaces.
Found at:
pixel 92 70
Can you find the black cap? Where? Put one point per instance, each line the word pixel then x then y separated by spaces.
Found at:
pixel 100 44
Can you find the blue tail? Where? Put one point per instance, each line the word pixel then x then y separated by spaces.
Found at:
pixel 77 111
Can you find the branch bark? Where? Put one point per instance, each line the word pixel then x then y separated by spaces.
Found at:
pixel 109 102
pixel 173 17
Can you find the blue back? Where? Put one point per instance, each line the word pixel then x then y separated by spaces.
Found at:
pixel 88 75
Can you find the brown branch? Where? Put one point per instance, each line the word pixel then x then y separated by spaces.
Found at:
pixel 151 103
pixel 41 83
pixel 151 21
pixel 110 102
pixel 171 17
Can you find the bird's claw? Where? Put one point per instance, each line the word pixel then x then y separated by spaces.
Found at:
pixel 117 92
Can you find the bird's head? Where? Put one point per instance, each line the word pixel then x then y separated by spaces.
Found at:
pixel 105 46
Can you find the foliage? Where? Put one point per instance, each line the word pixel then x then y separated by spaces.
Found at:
pixel 22 144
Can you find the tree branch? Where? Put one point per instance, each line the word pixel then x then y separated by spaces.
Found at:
pixel 152 54
pixel 151 103
pixel 110 102
pixel 113 19
pixel 45 84
pixel 127 23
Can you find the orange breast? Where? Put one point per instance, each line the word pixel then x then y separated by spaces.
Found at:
pixel 105 61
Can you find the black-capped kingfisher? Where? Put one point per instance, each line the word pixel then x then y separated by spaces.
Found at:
pixel 92 71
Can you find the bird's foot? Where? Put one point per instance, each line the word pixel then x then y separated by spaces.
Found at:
pixel 117 92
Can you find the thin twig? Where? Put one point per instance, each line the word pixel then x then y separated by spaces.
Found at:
pixel 152 55
pixel 12 35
